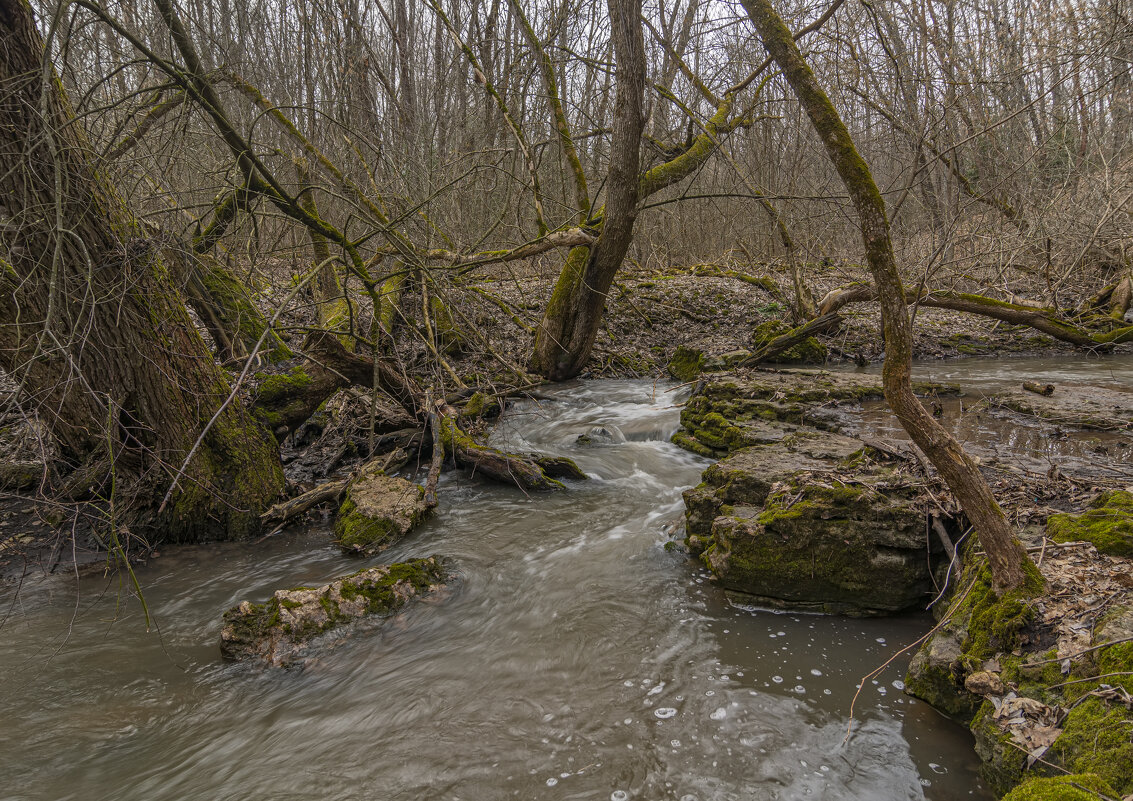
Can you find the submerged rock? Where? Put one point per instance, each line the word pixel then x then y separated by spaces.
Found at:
pixel 378 510
pixel 281 631
pixel 1079 406
pixel 814 521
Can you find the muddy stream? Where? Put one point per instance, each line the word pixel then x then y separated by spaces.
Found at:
pixel 576 658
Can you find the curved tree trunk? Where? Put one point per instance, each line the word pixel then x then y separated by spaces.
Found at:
pixel 94 330
pixel 570 324
pixel 963 477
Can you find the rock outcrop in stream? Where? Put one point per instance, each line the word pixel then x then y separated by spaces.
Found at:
pixel 282 630
pixel 377 511
pixel 798 515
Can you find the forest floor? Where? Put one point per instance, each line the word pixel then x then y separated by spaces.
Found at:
pixel 649 315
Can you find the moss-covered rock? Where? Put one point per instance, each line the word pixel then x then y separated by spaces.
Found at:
pixel 810 520
pixel 730 412
pixel 1076 787
pixel 1097 737
pixel 809 351
pixel 1108 524
pixel 980 626
pixel 281 630
pixel 377 511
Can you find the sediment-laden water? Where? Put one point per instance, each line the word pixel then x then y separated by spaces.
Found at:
pixel 576 658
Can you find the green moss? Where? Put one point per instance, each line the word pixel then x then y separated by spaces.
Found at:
pixel 1108 524
pixel 481 405
pixel 1098 738
pixel 810 351
pixel 685 364
pixel 1076 787
pixel 1117 659
pixel 358 533
pixel 683 439
pixel 1002 763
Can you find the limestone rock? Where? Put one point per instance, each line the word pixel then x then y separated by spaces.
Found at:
pixel 282 630
pixel 378 511
pixel 812 522
pixel 1079 406
pixel 984 682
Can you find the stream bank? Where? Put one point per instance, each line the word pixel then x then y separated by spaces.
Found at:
pixel 820 503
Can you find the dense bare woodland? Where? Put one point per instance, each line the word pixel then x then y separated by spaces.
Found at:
pixel 257 258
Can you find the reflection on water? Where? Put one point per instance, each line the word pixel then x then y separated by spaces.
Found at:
pixel 575 659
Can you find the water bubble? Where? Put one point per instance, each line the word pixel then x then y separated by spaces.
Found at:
pixel 801 690
pixel 937 768
pixel 551 782
pixel 719 714
pixel 782 634
pixel 710 693
pixel 659 688
pixel 777 679
pixel 815 672
pixel 627 721
pixel 665 712
pixel 881 640
pixel 619 795
pixel 898 684
pixel 628 683
pixel 826 691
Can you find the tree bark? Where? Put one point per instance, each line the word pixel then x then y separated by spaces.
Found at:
pixel 94 330
pixel 570 324
pixel 1005 555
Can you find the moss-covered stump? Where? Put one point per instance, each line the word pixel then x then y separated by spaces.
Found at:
pixel 377 511
pixel 1076 787
pixel 812 521
pixel 732 410
pixel 809 351
pixel 1100 408
pixel 1108 524
pixel 282 630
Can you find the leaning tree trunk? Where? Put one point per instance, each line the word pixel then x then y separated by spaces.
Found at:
pixel 94 330
pixel 963 477
pixel 570 323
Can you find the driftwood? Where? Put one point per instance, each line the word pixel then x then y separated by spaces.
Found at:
pixel 793 337
pixel 281 512
pixel 1046 390
pixel 507 468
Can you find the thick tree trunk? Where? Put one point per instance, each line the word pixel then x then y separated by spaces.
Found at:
pixel 94 330
pixel 963 477
pixel 570 324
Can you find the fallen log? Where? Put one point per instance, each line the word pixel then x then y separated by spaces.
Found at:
pixel 281 512
pixel 793 337
pixel 1046 390
pixel 1040 319
pixel 498 465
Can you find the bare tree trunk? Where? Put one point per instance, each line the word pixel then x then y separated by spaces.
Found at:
pixel 570 324
pixel 94 330
pixel 1005 555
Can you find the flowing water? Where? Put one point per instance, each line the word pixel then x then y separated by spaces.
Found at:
pixel 575 658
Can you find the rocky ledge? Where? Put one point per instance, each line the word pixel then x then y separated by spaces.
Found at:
pixel 282 631
pixel 799 516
